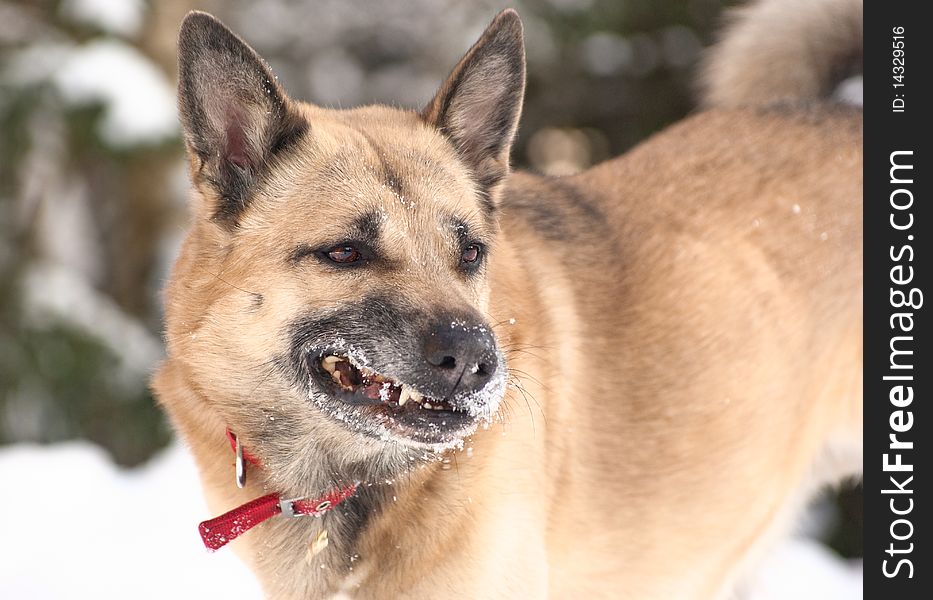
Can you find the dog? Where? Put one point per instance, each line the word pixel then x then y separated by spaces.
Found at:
pixel 467 382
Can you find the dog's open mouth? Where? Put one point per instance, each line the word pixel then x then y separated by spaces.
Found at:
pixel 398 407
pixel 370 385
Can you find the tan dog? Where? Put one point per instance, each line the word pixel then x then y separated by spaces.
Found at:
pixel 619 384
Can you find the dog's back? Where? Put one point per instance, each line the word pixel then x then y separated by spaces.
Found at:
pixel 702 295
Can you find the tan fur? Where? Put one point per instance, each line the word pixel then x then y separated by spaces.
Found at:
pixel 685 354
pixel 784 50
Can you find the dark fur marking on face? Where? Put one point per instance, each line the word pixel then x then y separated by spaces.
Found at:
pixel 462 230
pixel 390 176
pixel 301 252
pixel 367 227
pixel 385 329
pixel 389 332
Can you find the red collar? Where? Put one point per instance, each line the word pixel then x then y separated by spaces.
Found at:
pixel 227 527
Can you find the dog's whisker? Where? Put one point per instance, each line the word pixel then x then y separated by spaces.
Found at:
pixel 526 395
pixel 531 413
pixel 222 280
pixel 506 321
pixel 509 350
pixel 519 346
pixel 505 414
pixel 456 465
pixel 271 369
pixel 517 354
pixel 528 376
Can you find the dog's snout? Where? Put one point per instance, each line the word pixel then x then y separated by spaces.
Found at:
pixel 460 354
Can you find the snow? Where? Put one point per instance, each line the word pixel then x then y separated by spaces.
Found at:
pixel 138 98
pixel 122 17
pixel 139 101
pixel 850 91
pixel 803 569
pixel 81 527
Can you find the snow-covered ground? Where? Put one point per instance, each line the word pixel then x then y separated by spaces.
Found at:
pixel 77 526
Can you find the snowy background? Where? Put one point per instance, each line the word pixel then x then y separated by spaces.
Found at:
pixel 92 209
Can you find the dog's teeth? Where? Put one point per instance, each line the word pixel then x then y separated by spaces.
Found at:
pixel 330 363
pixel 404 395
pixel 416 396
pixel 336 376
pixel 427 405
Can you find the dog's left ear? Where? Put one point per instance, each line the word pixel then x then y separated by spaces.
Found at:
pixel 235 116
pixel 479 105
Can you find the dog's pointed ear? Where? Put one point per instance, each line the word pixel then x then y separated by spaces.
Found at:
pixel 235 116
pixel 479 105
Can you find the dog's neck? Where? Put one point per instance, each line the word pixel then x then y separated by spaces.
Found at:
pixel 369 532
pixel 281 546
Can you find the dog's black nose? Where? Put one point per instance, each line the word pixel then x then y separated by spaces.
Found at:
pixel 461 355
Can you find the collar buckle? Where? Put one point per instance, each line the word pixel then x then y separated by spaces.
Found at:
pixel 288 508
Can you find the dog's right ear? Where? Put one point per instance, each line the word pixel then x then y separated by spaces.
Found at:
pixel 479 105
pixel 235 116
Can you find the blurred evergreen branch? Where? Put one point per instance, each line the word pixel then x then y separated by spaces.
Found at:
pixel 59 378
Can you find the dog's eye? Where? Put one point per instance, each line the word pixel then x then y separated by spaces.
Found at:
pixel 470 257
pixel 344 254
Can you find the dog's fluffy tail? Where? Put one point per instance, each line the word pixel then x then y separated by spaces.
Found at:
pixel 785 50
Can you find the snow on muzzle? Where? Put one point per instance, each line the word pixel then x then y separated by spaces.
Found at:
pixel 363 387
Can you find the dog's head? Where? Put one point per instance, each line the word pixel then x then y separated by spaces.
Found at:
pixel 334 289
